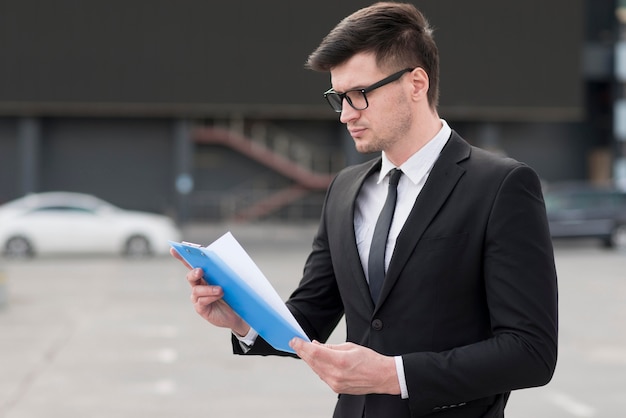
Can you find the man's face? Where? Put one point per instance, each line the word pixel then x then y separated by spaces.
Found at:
pixel 388 117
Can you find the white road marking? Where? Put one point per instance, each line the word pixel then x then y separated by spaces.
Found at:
pixel 165 387
pixel 571 405
pixel 166 355
pixel 615 355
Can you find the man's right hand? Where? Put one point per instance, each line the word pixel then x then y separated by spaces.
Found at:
pixel 208 303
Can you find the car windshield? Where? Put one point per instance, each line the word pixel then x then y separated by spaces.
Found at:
pixel 583 199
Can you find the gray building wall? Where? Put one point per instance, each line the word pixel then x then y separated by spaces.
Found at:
pixel 9 163
pixel 109 123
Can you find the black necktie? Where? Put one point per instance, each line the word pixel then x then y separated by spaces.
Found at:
pixel 376 263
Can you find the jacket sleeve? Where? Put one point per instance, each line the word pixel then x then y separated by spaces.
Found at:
pixel 521 292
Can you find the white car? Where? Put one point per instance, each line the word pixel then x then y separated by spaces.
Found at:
pixel 72 223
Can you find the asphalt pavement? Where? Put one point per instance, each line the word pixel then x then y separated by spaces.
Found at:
pixel 104 337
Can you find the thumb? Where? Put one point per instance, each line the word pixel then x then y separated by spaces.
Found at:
pixel 337 347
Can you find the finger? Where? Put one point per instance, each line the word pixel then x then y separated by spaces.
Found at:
pixel 177 256
pixel 296 343
pixel 195 277
pixel 317 357
pixel 318 354
pixel 337 347
pixel 305 350
pixel 206 295
pixel 310 347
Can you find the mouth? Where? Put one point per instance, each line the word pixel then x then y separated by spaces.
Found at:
pixel 356 132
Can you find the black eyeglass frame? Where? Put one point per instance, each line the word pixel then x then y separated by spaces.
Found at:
pixel 393 77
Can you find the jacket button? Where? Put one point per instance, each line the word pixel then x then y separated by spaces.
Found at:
pixel 377 324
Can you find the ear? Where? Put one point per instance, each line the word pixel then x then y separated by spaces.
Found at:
pixel 420 84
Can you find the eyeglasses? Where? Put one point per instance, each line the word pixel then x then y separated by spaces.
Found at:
pixel 357 98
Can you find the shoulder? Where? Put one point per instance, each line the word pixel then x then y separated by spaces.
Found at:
pixel 356 173
pixel 478 159
pixel 485 169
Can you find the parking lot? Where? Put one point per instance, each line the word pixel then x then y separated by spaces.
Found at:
pixel 109 337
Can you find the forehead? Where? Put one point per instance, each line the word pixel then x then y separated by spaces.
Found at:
pixel 359 71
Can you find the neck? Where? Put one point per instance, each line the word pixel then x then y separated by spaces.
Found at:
pixel 420 135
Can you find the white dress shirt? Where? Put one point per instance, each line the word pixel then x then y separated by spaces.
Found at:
pixel 371 199
pixel 370 202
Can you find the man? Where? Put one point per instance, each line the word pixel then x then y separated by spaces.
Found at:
pixel 467 310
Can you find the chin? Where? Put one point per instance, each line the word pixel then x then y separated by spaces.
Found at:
pixel 365 147
pixel 361 148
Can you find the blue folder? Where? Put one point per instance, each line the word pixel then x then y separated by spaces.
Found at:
pixel 241 297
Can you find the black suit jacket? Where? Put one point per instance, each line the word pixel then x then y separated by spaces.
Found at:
pixel 470 297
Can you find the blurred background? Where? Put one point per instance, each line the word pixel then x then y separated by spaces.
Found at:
pixel 198 117
pixel 203 110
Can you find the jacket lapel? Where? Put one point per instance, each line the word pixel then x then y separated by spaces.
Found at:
pixel 349 247
pixel 443 178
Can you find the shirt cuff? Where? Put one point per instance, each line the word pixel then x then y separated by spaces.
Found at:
pixel 404 390
pixel 247 341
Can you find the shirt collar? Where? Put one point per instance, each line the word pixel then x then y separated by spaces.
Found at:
pixel 420 163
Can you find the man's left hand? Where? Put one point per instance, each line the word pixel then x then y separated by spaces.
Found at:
pixel 349 368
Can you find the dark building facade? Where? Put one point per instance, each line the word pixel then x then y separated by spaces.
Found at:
pixel 205 112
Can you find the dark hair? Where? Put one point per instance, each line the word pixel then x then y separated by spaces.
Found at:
pixel 398 35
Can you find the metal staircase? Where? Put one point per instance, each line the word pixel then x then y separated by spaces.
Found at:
pixel 305 179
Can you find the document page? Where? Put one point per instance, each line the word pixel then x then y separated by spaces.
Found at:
pixel 236 257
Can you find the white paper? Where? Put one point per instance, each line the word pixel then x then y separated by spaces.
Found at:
pixel 233 254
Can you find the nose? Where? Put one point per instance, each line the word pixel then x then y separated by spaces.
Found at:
pixel 348 113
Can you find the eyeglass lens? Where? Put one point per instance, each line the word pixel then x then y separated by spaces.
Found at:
pixel 356 99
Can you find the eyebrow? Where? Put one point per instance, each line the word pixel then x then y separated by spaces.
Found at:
pixel 353 88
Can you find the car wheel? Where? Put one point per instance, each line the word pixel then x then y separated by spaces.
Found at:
pixel 137 246
pixel 18 247
pixel 618 237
